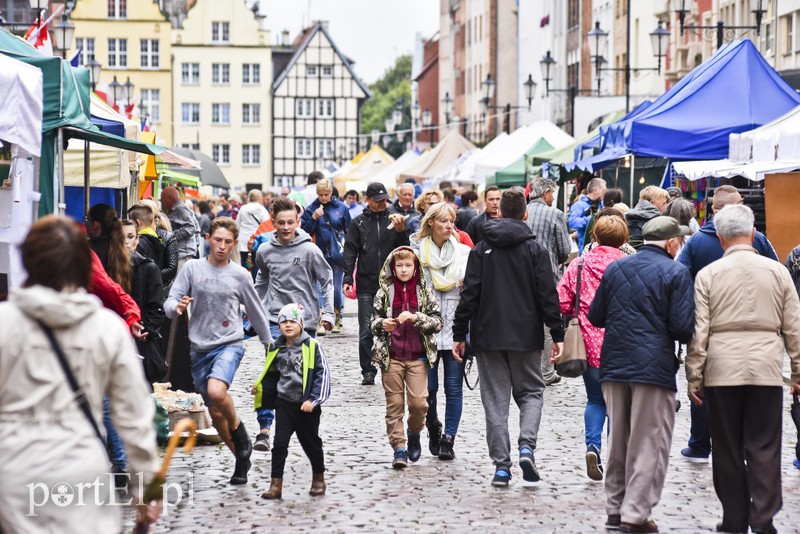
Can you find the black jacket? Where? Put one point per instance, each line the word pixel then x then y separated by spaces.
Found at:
pixel 369 240
pixel 509 291
pixel 476 226
pixel 464 216
pixel 164 252
pixel 146 290
pixel 395 207
pixel 645 302
pixel 636 218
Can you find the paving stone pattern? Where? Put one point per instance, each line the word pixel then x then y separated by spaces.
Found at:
pixel 366 494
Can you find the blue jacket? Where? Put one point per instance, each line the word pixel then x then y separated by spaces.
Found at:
pixel 704 248
pixel 645 302
pixel 339 215
pixel 579 215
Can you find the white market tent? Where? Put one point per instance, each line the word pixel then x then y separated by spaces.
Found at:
pixel 376 159
pixel 438 160
pixel 519 142
pixel 21 106
pixel 465 172
pixel 388 176
pixel 771 148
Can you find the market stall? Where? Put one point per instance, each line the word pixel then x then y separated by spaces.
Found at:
pixel 437 161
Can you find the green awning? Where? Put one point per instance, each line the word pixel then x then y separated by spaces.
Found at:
pixel 515 173
pixel 95 135
pixel 180 177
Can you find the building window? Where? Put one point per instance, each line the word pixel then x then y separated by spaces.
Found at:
pixel 251 74
pixel 220 113
pixel 190 73
pixel 221 154
pixel 303 149
pixel 86 46
pixel 311 71
pixel 220 73
pixel 325 108
pixel 191 146
pixel 325 148
pixel 148 53
pixel 574 12
pixel 251 154
pixel 251 113
pixel 220 32
pixel 151 104
pixel 117 9
pixel 190 113
pixel 117 53
pixel 305 108
pixel 327 71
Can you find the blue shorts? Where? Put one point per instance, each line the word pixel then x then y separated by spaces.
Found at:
pixel 221 364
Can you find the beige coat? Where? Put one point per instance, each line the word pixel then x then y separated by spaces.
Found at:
pixel 747 314
pixel 47 446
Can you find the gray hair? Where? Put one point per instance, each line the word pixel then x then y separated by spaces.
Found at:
pixel 405 184
pixel 680 209
pixel 734 220
pixel 540 186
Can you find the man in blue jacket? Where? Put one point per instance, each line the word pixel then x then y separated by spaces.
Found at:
pixel 586 205
pixel 702 249
pixel 645 302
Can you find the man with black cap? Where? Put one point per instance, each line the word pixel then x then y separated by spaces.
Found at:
pixel 646 303
pixel 370 238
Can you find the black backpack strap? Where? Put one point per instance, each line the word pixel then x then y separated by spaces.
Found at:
pixel 80 397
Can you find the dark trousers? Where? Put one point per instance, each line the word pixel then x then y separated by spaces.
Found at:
pixel 700 434
pixel 746 429
pixel 365 301
pixel 288 420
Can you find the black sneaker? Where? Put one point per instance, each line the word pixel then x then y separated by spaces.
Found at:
pixel 446 451
pixel 414 447
pixel 262 442
pixel 369 379
pixel 501 478
pixel 693 455
pixel 434 436
pixel 594 467
pixel 400 459
pixel 528 465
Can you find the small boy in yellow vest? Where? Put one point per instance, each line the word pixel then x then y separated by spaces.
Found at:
pixel 295 382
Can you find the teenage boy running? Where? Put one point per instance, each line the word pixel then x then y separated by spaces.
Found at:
pixel 220 287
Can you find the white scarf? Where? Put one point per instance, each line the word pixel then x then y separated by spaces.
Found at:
pixel 446 264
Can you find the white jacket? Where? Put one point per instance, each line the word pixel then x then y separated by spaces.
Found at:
pixel 47 445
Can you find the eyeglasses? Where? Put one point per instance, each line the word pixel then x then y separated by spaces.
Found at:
pixel 87 219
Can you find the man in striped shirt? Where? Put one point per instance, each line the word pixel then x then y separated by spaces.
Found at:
pixel 549 225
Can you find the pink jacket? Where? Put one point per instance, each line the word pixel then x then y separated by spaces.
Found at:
pixel 594 265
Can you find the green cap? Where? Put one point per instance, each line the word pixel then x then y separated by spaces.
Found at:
pixel 662 228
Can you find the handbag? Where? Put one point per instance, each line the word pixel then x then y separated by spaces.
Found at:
pixel 80 396
pixel 572 363
pixel 335 252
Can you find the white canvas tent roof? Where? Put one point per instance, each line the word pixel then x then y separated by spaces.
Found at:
pixel 436 161
pixel 517 144
pixel 373 161
pixel 21 106
pixel 388 175
pixel 465 173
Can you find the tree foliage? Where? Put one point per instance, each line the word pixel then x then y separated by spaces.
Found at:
pixel 394 86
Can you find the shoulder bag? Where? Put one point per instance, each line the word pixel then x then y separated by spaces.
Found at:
pixel 335 252
pixel 80 397
pixel 572 363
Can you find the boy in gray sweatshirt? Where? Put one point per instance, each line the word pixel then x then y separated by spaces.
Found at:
pixel 215 332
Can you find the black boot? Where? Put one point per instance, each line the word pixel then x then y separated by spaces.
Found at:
pixel 239 477
pixel 446 448
pixel 434 436
pixel 241 442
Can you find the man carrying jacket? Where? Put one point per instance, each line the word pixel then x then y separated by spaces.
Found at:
pixel 509 293
pixel 701 250
pixel 645 302
pixel 370 238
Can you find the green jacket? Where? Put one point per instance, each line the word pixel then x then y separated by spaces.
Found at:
pixel 316 376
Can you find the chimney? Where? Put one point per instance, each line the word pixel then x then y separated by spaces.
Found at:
pixel 285 38
pixel 324 24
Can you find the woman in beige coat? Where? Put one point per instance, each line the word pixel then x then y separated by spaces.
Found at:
pixel 54 471
pixel 746 311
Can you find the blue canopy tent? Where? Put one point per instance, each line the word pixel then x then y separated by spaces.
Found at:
pixel 597 141
pixel 734 91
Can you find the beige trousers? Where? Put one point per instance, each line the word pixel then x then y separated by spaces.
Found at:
pixel 405 377
pixel 641 418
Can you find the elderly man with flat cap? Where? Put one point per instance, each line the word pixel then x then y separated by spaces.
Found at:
pixel 646 303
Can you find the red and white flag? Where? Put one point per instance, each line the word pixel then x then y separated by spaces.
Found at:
pixel 38 36
pixel 102 91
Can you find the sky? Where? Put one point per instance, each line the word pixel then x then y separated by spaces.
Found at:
pixel 370 32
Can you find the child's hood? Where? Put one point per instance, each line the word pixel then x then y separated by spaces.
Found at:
pixel 387 272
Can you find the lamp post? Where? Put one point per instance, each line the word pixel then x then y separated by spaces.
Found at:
pixel 488 92
pixel 448 103
pixel 94 71
pixel 427 119
pixel 416 111
pixel 62 33
pixel 375 136
pixel 129 86
pixel 546 63
pixel 679 6
pixel 115 87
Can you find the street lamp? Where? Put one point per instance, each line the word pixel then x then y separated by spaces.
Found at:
pixel 427 120
pixel 679 6
pixel 115 87
pixel 488 91
pixel 389 125
pixel 530 89
pixel 597 40
pixel 63 32
pixel 94 72
pixel 448 103
pixel 397 114
pixel 375 136
pixel 547 63
pixel 129 90
pixel 659 38
pixel 416 110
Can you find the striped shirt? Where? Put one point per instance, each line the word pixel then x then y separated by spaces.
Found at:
pixel 549 225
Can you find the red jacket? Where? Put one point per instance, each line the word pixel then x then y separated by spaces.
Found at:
pixel 113 296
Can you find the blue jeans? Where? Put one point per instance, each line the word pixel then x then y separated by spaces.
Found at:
pixel 595 414
pixel 453 391
pixel 364 334
pixel 338 294
pixel 115 446
pixel 220 364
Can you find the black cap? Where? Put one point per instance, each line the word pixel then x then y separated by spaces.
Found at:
pixel 376 191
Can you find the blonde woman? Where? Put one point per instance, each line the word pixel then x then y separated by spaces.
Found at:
pixel 444 261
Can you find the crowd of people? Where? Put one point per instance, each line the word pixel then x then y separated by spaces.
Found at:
pixel 439 276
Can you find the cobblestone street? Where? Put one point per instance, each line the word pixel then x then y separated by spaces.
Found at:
pixel 366 494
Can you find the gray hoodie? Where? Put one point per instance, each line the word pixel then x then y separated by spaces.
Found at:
pixel 290 273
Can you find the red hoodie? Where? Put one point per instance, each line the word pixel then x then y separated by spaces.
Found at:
pixel 406 340
pixel 113 296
